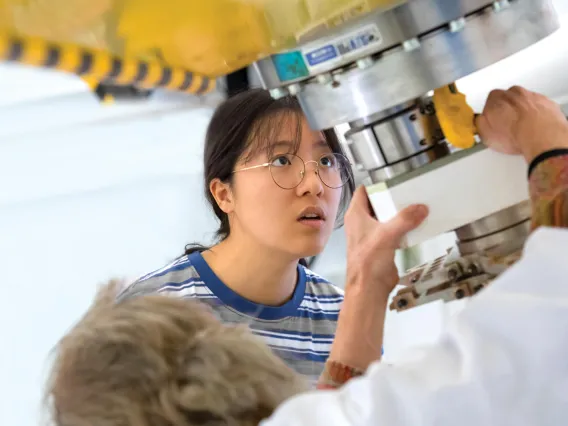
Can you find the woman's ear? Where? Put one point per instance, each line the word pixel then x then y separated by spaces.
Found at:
pixel 223 195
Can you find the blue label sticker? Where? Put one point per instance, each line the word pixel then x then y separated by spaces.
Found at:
pixel 323 54
pixel 290 66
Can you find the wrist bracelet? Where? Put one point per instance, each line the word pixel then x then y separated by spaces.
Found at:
pixel 338 373
pixel 545 156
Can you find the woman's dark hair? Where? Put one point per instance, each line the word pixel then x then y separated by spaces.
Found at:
pixel 240 127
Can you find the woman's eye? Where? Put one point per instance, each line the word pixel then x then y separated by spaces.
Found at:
pixel 280 161
pixel 327 162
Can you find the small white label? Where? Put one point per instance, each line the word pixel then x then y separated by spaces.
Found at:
pixel 348 46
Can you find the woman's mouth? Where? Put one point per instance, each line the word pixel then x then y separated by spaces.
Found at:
pixel 312 220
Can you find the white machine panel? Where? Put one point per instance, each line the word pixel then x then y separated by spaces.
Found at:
pixel 458 190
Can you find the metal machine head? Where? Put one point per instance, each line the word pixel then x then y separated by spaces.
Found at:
pixel 381 74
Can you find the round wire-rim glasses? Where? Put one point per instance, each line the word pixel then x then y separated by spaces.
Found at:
pixel 288 170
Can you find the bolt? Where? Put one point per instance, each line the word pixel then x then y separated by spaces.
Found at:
pixel 412 117
pixel 365 63
pixel 472 269
pixel 295 88
pixel 499 5
pixel 411 44
pixel 460 294
pixel 325 78
pixel 457 25
pixel 452 274
pixel 402 303
pixel 278 93
pixel 428 109
pixel 414 279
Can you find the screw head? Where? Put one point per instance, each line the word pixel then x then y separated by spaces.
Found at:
pixel 411 44
pixel 402 303
pixel 365 63
pixel 460 294
pixel 295 88
pixel 452 274
pixel 278 93
pixel 499 5
pixel 457 25
pixel 324 78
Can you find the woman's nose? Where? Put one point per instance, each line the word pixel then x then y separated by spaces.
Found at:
pixel 311 182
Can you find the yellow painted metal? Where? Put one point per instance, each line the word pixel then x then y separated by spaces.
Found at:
pixel 456 117
pixel 207 37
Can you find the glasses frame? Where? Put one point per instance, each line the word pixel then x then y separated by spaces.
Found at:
pixel 303 172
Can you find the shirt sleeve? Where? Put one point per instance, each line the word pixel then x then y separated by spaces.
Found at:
pixel 548 185
pixel 502 360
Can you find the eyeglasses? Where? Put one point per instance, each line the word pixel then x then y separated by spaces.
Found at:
pixel 288 170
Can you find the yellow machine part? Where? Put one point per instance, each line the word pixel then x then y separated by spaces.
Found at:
pixel 207 37
pixel 456 117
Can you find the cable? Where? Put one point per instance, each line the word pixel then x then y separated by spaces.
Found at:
pixel 100 66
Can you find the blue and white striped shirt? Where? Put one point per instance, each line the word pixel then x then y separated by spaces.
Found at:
pixel 301 331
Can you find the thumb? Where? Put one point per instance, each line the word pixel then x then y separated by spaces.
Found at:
pixel 483 127
pixel 360 200
pixel 404 222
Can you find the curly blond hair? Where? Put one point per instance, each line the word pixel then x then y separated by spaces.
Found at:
pixel 157 361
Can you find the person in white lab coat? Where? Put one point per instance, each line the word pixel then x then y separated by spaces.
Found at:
pixel 504 358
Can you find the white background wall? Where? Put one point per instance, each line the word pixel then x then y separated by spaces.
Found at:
pixel 88 192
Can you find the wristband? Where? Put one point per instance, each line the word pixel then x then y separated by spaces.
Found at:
pixel 336 374
pixel 545 156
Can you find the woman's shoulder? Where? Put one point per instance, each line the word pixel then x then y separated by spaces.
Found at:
pixel 319 286
pixel 177 275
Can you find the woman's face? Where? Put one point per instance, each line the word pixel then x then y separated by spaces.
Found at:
pixel 296 221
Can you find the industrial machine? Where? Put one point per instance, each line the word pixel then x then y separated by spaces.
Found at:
pixel 390 74
pixel 386 67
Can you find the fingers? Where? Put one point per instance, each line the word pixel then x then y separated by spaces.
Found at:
pixel 405 221
pixel 499 113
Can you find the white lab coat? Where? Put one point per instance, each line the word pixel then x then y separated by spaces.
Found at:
pixel 503 360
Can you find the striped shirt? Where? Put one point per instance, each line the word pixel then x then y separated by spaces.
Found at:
pixel 301 331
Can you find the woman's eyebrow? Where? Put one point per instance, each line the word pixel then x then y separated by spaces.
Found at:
pixel 321 144
pixel 283 144
pixel 289 145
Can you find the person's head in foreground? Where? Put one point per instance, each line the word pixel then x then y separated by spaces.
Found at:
pixel 160 361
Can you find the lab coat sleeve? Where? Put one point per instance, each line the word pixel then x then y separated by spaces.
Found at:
pixel 502 361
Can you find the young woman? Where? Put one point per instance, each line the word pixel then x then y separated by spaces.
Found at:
pixel 278 189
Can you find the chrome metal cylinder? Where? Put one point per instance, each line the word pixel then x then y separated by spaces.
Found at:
pixel 397 141
pixel 502 233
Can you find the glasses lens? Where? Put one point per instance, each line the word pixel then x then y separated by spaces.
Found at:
pixel 287 170
pixel 334 170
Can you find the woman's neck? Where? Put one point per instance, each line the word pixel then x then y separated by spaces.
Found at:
pixel 253 272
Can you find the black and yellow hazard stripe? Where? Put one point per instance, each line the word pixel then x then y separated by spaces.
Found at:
pixel 100 66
